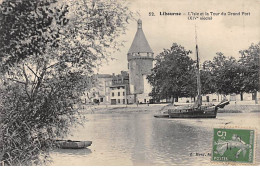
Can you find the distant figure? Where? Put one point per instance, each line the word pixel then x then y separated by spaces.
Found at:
pixel 147 103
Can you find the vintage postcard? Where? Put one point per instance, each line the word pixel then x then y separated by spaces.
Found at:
pixel 129 82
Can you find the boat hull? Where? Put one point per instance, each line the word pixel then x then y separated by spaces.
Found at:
pixel 193 113
pixel 68 144
pixel 161 116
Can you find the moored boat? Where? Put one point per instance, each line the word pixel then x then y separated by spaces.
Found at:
pixel 69 144
pixel 209 111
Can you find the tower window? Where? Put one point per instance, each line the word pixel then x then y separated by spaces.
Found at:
pixel 118 93
pixel 113 94
pixel 118 100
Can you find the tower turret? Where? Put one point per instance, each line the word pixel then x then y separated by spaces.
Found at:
pixel 140 60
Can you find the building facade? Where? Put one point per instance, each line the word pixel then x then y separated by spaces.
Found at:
pixel 119 89
pixel 99 91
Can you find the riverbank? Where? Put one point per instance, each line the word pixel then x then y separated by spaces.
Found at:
pixel 240 107
pixel 233 107
pixel 243 115
pixel 133 108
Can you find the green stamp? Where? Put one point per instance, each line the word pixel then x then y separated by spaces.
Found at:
pixel 233 145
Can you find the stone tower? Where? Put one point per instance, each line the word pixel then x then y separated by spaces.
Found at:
pixel 140 61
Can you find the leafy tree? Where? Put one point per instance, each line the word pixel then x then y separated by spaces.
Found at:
pixel 224 75
pixel 47 49
pixel 27 33
pixel 173 75
pixel 208 84
pixel 249 62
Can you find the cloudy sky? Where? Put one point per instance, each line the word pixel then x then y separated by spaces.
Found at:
pixel 226 34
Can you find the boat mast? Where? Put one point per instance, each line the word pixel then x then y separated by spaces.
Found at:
pixel 199 98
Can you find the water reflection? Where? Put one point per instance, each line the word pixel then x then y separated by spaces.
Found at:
pixel 177 141
pixel 73 152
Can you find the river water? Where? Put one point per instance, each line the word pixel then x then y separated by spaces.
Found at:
pixel 138 139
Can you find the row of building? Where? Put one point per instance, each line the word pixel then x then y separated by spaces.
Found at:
pixel 115 89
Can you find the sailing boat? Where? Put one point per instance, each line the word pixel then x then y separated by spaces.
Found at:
pixel 197 110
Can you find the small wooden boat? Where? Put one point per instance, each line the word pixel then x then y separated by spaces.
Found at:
pixel 69 144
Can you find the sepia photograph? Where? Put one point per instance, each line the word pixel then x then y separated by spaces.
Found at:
pixel 129 83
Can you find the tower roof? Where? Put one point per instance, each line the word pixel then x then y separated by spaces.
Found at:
pixel 140 44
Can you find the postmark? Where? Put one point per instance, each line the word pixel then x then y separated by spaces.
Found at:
pixel 233 145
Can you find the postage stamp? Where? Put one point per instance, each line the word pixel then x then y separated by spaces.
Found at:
pixel 233 145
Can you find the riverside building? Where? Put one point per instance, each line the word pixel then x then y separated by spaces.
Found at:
pixel 130 86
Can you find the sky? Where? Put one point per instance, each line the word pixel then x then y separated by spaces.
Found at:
pixel 226 34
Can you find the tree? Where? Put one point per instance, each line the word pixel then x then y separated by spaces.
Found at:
pixel 173 75
pixel 249 62
pixel 208 84
pixel 47 49
pixel 226 75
